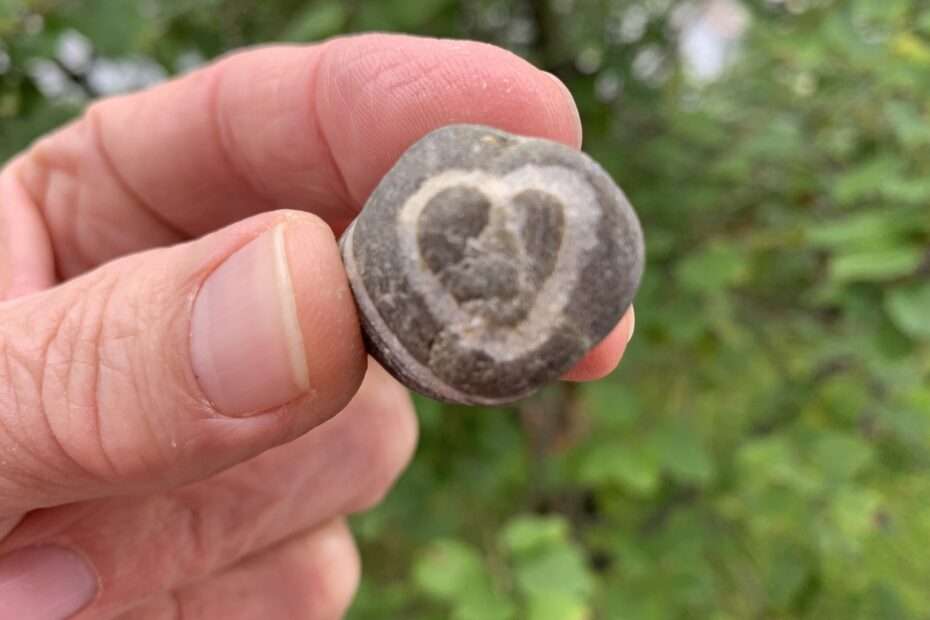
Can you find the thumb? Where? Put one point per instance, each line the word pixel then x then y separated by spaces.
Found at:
pixel 163 367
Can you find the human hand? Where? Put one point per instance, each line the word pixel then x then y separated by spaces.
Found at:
pixel 174 346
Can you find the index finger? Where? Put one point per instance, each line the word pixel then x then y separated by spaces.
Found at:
pixel 310 128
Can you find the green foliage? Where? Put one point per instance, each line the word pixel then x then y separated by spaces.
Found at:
pixel 541 574
pixel 763 451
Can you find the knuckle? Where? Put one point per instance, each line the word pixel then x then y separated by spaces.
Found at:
pixel 388 444
pixel 224 136
pixel 106 393
pixel 74 389
pixel 79 358
pixel 336 574
pixel 52 173
pixel 20 381
pixel 49 373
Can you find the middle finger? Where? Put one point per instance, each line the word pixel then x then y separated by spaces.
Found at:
pixel 293 127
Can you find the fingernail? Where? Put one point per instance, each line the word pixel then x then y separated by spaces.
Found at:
pixel 247 348
pixel 571 102
pixel 45 583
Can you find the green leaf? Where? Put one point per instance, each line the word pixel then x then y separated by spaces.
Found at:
pixel 865 180
pixel 786 574
pixel 682 454
pixel 8 8
pixel 529 533
pixel 775 461
pixel 853 513
pixel 912 48
pixel 489 606
pixel 115 28
pixel 560 568
pixel 613 406
pixel 841 456
pixel 450 569
pixel 868 229
pixel 557 606
pixel 911 126
pixel 413 14
pixel 632 466
pixel 883 602
pixel 716 267
pixel 317 22
pixel 844 396
pixel 877 265
pixel 908 190
pixel 454 572
pixel 909 309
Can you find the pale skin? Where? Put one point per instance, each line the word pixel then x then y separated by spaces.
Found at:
pixel 144 469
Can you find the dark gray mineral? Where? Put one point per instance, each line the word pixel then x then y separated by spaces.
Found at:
pixel 485 265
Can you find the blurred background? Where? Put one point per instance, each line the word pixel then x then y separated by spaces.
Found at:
pixel 763 450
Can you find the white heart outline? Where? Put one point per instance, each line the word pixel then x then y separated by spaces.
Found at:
pixel 581 213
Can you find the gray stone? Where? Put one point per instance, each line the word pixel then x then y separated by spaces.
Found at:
pixel 485 265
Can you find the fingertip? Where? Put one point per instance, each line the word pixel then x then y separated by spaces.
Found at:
pixel 604 358
pixel 275 323
pixel 563 102
pixel 333 346
pixel 378 94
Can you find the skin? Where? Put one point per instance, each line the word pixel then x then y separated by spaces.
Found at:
pixel 179 513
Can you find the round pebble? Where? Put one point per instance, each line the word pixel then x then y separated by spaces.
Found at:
pixel 485 265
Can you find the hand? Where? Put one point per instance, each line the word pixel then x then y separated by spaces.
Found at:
pixel 174 345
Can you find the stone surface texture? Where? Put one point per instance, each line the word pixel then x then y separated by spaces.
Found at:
pixel 485 264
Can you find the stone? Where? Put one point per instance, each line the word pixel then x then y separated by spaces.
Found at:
pixel 485 265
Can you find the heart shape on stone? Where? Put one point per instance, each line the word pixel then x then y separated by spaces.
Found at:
pixel 497 298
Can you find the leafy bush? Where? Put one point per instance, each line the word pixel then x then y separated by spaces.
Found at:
pixel 763 450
